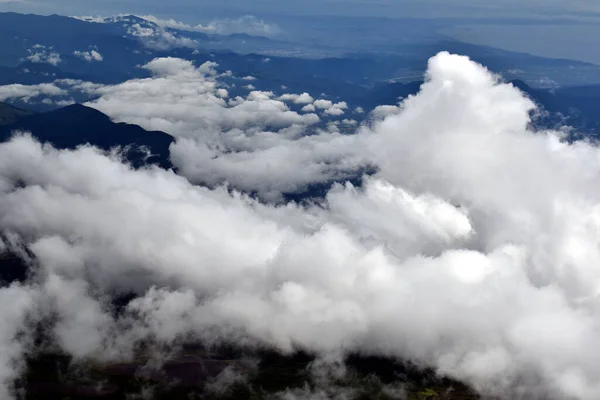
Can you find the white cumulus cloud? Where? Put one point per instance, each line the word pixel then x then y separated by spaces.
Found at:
pixel 303 98
pixel 25 93
pixel 473 248
pixel 89 56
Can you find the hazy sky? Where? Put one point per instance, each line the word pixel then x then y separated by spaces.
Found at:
pixel 525 36
pixel 200 9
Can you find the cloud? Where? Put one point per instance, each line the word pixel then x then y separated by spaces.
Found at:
pixel 89 56
pixel 255 143
pixel 330 108
pixel 323 104
pixel 25 93
pixel 91 18
pixel 17 302
pixel 303 98
pixel 60 205
pixel 154 26
pixel 43 54
pixel 157 38
pixel 331 379
pixel 337 109
pixel 472 249
pixel 309 108
pixel 385 110
pixel 151 34
pixel 248 24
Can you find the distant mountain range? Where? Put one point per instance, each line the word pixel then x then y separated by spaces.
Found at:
pixel 62 47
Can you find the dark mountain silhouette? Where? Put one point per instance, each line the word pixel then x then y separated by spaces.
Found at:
pixel 74 125
pixel 10 114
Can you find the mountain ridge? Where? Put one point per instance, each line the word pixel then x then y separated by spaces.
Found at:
pixel 77 124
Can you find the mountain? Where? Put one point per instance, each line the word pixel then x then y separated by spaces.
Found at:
pixel 183 375
pixel 573 106
pixel 10 114
pixel 125 42
pixel 30 73
pixel 34 38
pixel 74 125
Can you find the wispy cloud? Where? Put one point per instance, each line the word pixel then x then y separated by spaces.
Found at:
pixel 248 24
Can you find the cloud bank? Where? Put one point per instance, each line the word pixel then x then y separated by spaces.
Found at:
pixel 254 143
pixel 473 249
pixel 27 92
